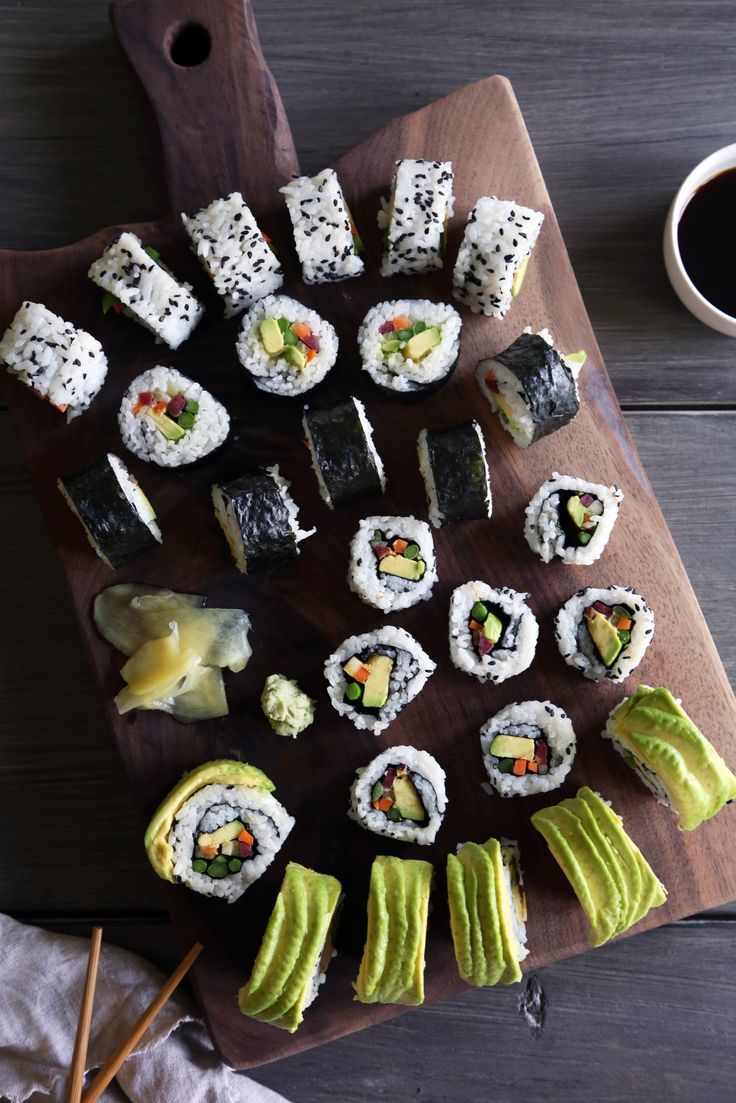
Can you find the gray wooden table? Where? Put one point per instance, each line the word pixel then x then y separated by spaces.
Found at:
pixel 621 99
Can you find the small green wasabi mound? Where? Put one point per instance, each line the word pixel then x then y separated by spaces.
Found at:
pixel 672 757
pixel 286 707
pixel 220 771
pixel 295 951
pixel 611 878
pixel 392 968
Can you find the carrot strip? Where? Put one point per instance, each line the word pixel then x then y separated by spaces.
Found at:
pixel 402 322
pixel 383 804
pixel 519 767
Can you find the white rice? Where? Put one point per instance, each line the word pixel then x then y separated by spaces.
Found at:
pixel 431 476
pixel 308 424
pixel 322 228
pixel 233 251
pixel 149 292
pixel 415 217
pixel 544 533
pixel 578 649
pixel 274 373
pixel 387 592
pixel 400 373
pixel 500 234
pixel 515 649
pixel 429 780
pixel 529 719
pixel 510 855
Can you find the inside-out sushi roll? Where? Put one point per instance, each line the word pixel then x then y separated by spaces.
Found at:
pixel 326 238
pixel 528 747
pixel 136 283
pixel 414 219
pixel 659 741
pixel 494 254
pixel 392 562
pixel 218 829
pixel 410 346
pixel 400 794
pixel 260 519
pixel 532 387
pixel 60 363
pixel 116 515
pixel 235 254
pixel 571 518
pixel 296 950
pixel 344 458
pixel 285 347
pixel 604 632
pixel 493 632
pixel 167 419
pixel 372 677
pixel 453 465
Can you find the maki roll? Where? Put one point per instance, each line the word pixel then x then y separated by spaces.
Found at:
pixel 327 242
pixel 410 346
pixel 493 632
pixel 572 519
pixel 218 830
pixel 392 966
pixel 392 562
pixel 528 747
pixel 234 253
pixel 285 347
pixel 485 894
pixel 117 517
pixel 455 472
pixel 400 794
pixel 659 741
pixel 296 949
pixel 344 457
pixel 260 519
pixel 136 283
pixel 167 419
pixel 58 362
pixel 532 387
pixel 604 632
pixel 494 255
pixel 371 678
pixel 414 219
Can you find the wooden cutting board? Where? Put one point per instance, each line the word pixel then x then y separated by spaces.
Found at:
pixel 223 127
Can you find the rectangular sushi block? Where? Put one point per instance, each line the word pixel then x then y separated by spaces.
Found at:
pixel 345 459
pixel 259 519
pixel 326 239
pixel 494 254
pixel 455 472
pixel 414 220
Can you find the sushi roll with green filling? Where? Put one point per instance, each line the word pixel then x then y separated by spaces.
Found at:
pixel 285 347
pixel 415 217
pixel 409 347
pixel 528 747
pixel 604 632
pixel 494 254
pixel 327 241
pixel 453 464
pixel 659 741
pixel 260 519
pixel 296 949
pixel 571 519
pixel 345 460
pixel 392 562
pixel 167 419
pixel 400 794
pixel 493 632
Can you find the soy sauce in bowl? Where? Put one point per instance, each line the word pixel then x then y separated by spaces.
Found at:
pixel 706 238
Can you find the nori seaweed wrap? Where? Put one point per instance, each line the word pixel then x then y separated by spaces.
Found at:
pixel 259 519
pixel 453 464
pixel 344 457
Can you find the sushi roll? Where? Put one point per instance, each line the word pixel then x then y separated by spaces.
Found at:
pixel 392 562
pixel 218 829
pixel 117 517
pixel 572 519
pixel 327 241
pixel 493 632
pixel 344 457
pixel 604 632
pixel 136 283
pixel 494 255
pixel 455 472
pixel 392 966
pixel 414 219
pixel 58 362
pixel 532 387
pixel 528 747
pixel 296 949
pixel 167 419
pixel 234 253
pixel 371 678
pixel 485 894
pixel 409 347
pixel 285 347
pixel 400 794
pixel 260 519
pixel 671 756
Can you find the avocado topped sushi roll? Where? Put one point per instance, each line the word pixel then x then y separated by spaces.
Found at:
pixel 571 519
pixel 528 747
pixel 400 794
pixel 285 347
pixel 260 519
pixel 493 632
pixel 453 465
pixel 494 254
pixel 392 562
pixel 326 238
pixel 414 219
pixel 604 632
pixel 344 458
pixel 167 419
pixel 410 346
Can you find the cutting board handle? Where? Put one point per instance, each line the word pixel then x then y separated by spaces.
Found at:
pixel 219 113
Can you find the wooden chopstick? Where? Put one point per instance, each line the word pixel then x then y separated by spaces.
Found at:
pixel 111 1066
pixel 79 1057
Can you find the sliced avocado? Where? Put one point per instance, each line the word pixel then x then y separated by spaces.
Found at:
pixel 605 637
pixel 407 799
pixel 471 875
pixel 576 359
pixel 375 690
pixel 223 834
pixel 272 337
pixel 513 746
pixel 504 407
pixel 417 877
pixel 293 355
pixel 519 276
pixel 460 922
pixel 578 807
pixel 576 510
pixel 373 962
pixel 398 565
pixel 610 825
pixel 396 973
pixel 166 425
pixel 422 343
pixel 390 346
pixel 492 628
pixel 487 861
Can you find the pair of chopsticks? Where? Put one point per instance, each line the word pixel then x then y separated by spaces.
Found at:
pixel 111 1066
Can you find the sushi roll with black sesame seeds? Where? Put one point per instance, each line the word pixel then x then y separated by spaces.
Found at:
pixel 528 747
pixel 493 632
pixel 234 252
pixel 136 283
pixel 326 238
pixel 494 255
pixel 409 347
pixel 260 519
pixel 60 363
pixel 604 632
pixel 392 562
pixel 344 458
pixel 414 219
pixel 401 795
pixel 571 519
pixel 285 347
pixel 167 419
pixel 455 472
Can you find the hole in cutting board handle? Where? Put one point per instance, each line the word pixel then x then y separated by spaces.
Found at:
pixel 190 45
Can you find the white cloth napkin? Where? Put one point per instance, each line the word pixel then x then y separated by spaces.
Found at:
pixel 41 981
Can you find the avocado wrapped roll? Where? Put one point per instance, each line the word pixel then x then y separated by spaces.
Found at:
pixel 400 794
pixel 604 632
